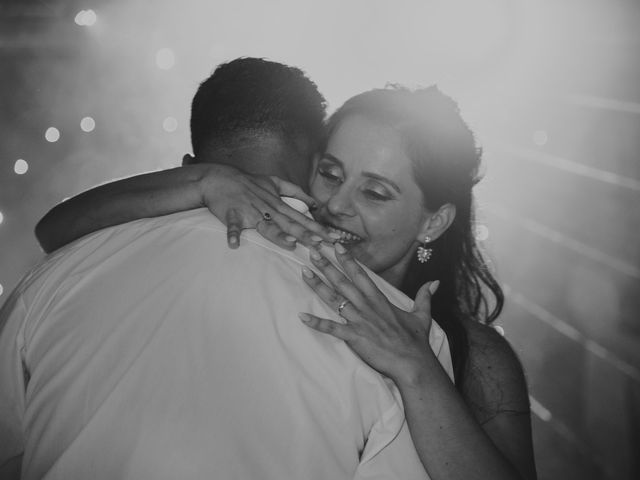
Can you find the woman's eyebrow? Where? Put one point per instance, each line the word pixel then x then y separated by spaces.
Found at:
pixel 374 176
pixel 328 156
pixel 380 178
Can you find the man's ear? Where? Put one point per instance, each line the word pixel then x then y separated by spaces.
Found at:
pixel 438 222
pixel 188 159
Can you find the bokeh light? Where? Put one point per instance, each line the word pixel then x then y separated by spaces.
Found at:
pixel 540 138
pixel 21 167
pixel 481 233
pixel 165 59
pixel 170 124
pixel 87 124
pixel 1 218
pixel 86 18
pixel 52 134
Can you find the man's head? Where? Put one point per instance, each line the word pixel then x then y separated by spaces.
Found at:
pixel 261 116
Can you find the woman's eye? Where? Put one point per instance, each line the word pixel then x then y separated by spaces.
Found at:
pixel 376 195
pixel 330 175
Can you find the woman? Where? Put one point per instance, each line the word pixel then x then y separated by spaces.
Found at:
pixel 393 186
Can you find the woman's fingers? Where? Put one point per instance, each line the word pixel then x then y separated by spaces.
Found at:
pixel 338 302
pixel 325 325
pixel 291 220
pixel 338 280
pixel 358 276
pixel 422 303
pixel 297 230
pixel 234 228
pixel 288 189
pixel 272 232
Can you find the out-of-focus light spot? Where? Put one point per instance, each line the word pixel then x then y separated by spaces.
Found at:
pixel 540 138
pixel 482 233
pixel 1 218
pixel 21 167
pixel 165 59
pixel 170 124
pixel 1 289
pixel 87 124
pixel 86 18
pixel 52 134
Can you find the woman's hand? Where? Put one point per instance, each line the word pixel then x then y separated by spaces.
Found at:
pixel 390 340
pixel 242 201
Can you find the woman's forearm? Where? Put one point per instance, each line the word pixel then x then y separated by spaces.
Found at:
pixel 449 441
pixel 147 195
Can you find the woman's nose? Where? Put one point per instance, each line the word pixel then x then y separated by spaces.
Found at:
pixel 341 202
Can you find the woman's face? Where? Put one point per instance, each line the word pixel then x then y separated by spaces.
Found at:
pixel 365 191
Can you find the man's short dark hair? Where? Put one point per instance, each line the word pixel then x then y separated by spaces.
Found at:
pixel 254 96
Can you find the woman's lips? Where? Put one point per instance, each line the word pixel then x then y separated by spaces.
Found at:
pixel 346 237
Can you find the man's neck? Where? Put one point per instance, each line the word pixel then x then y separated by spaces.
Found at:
pixel 262 154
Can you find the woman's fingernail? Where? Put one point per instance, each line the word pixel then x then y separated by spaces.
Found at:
pixel 316 238
pixel 290 238
pixel 314 254
pixel 304 317
pixel 340 249
pixel 334 235
pixel 434 286
pixel 306 271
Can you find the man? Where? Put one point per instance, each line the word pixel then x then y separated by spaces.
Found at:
pixel 151 350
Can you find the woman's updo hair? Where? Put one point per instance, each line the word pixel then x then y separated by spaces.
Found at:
pixel 446 164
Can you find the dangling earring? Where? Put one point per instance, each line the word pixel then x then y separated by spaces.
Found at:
pixel 424 253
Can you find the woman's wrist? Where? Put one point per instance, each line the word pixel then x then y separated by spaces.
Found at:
pixel 205 177
pixel 417 372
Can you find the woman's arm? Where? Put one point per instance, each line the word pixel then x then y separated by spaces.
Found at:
pixel 147 195
pixel 450 441
pixel 486 433
pixel 238 199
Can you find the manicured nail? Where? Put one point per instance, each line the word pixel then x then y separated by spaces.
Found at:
pixel 316 238
pixel 306 271
pixel 340 248
pixel 233 241
pixel 290 238
pixel 334 235
pixel 304 317
pixel 314 254
pixel 434 286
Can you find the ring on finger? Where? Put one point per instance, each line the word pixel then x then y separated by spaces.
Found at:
pixel 266 216
pixel 342 305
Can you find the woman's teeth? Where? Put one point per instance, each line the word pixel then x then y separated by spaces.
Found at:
pixel 345 237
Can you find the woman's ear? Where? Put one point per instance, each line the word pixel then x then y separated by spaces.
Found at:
pixel 188 159
pixel 438 222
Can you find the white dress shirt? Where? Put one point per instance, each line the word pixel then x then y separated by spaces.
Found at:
pixel 151 350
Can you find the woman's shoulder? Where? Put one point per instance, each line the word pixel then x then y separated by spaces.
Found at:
pixel 494 382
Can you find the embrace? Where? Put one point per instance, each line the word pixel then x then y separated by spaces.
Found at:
pixel 302 299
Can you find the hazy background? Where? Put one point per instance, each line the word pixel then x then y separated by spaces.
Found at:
pixel 552 88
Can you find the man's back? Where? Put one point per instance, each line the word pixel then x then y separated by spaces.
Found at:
pixel 154 351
